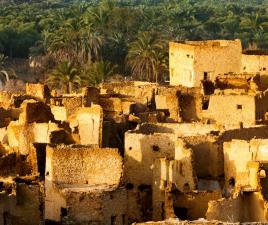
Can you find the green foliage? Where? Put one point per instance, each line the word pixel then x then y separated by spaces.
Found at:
pixel 132 34
pixel 97 72
pixel 147 57
pixel 65 76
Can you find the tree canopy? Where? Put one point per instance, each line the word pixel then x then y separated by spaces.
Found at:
pixel 129 34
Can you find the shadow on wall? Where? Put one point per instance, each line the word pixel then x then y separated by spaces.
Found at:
pixel 244 134
pixel 153 128
pixel 189 107
pixel 139 164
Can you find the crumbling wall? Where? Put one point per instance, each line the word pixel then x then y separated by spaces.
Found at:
pixel 23 207
pixel 33 111
pixel 192 206
pixel 206 149
pixel 39 91
pixel 232 109
pixel 82 176
pixel 179 129
pixel 247 207
pixel 256 63
pixel 84 165
pixel 192 62
pixel 91 96
pixel 59 113
pixel 183 171
pixel 237 154
pixel 243 161
pixel 99 206
pixel 111 104
pixel 23 135
pixel 140 152
pixel 167 99
pixel 90 125
pixel 181 62
pixel 261 106
pixel 72 103
pixel 140 92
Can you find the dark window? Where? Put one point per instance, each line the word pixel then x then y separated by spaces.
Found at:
pixel 263 68
pixel 181 213
pixel 205 105
pixel 113 220
pixel 63 212
pixel 129 186
pixel 206 76
pixel 124 219
pixel 239 106
pixel 156 148
pixel 144 187
pixel 6 218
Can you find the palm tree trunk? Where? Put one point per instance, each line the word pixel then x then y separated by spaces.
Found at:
pixel 70 88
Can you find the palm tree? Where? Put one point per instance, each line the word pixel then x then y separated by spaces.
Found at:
pixel 66 75
pixel 97 72
pixel 147 57
pixel 256 26
pixel 91 42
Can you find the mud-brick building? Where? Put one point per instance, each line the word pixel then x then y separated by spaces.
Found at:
pixel 83 186
pixel 191 62
pixel 237 107
pixel 256 61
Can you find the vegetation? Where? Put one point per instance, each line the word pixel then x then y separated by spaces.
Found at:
pixel 127 37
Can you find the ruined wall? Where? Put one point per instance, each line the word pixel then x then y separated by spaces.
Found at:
pixel 90 125
pixel 59 113
pixel 40 92
pixel 248 207
pixel 237 154
pixel 192 206
pixel 189 61
pixel 261 106
pixel 179 129
pixel 141 92
pixel 254 63
pixel 83 176
pixel 23 135
pixel 232 109
pixel 33 111
pixel 206 149
pixel 179 222
pixel 72 103
pixel 167 99
pixel 181 64
pixel 83 165
pixel 241 162
pixel 23 207
pixel 140 152
pixel 111 104
pixel 183 174
pixel 103 207
pixel 222 58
